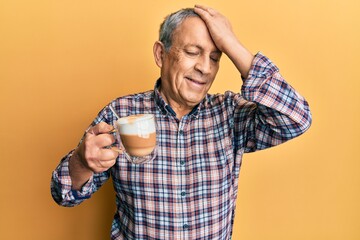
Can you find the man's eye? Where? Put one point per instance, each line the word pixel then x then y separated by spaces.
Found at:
pixel 192 53
pixel 215 59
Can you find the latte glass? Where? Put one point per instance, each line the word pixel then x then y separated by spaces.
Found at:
pixel 137 137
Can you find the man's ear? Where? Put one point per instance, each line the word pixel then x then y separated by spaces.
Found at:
pixel 159 51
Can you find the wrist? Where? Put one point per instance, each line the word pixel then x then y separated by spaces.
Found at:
pixel 241 57
pixel 79 173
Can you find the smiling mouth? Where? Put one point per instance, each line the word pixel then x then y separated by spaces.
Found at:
pixel 195 81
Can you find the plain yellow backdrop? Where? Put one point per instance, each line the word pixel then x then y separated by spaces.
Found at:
pixel 62 61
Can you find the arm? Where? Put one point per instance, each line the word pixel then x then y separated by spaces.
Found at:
pixel 274 111
pixel 61 184
pixel 85 169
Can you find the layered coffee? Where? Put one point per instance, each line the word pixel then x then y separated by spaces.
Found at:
pixel 137 134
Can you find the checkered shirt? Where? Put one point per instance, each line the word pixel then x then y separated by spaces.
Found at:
pixel 189 189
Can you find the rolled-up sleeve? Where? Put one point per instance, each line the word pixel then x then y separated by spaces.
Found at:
pixel 279 113
pixel 61 189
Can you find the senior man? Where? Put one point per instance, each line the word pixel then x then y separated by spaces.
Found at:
pixel 189 187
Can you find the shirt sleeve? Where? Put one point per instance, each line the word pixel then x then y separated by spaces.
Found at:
pixel 61 189
pixel 276 112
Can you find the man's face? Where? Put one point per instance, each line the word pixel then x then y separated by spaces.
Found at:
pixel 189 68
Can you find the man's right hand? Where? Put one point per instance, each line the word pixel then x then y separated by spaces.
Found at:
pixel 92 155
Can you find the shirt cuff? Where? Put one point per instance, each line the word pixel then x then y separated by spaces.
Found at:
pixel 61 178
pixel 85 191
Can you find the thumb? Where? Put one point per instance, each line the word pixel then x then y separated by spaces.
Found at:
pixel 100 128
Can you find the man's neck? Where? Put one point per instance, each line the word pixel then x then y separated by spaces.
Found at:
pixel 179 109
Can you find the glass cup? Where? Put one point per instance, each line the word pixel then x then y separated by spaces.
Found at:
pixel 136 135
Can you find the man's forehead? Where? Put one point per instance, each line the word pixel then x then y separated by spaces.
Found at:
pixel 192 32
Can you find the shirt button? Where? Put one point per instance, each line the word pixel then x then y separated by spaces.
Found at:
pixel 181 132
pixel 183 194
pixel 182 162
pixel 185 227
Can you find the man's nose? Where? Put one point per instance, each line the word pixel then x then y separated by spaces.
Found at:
pixel 203 65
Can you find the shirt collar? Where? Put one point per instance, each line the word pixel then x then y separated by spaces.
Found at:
pixel 166 108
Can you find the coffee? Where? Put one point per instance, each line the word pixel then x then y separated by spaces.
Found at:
pixel 137 134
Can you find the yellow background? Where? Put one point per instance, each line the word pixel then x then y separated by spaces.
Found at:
pixel 62 61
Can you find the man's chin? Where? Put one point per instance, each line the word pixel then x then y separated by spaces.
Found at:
pixel 193 102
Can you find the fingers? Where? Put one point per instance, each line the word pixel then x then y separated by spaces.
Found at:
pixel 96 151
pixel 118 150
pixel 103 140
pixel 106 159
pixel 102 166
pixel 99 147
pixel 99 128
pixel 204 11
pixel 101 160
pixel 203 7
pixel 219 27
pixel 100 135
pixel 107 154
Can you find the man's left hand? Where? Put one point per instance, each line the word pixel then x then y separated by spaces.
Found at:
pixel 219 27
pixel 224 38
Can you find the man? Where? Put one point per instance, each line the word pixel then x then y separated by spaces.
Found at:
pixel 189 189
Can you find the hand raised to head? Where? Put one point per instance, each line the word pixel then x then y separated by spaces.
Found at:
pixel 225 40
pixel 219 27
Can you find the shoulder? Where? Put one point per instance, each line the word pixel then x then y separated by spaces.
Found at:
pixel 135 96
pixel 133 103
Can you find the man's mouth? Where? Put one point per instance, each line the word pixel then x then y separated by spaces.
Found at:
pixel 196 81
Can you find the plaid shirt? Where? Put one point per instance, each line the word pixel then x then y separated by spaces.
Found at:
pixel 189 189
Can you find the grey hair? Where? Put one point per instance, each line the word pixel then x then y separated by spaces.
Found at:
pixel 171 22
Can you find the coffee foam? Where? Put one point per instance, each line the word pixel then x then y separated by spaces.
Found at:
pixel 141 125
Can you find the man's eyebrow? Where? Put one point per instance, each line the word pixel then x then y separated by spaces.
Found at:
pixel 193 45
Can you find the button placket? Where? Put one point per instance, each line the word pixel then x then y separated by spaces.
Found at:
pixel 181 161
